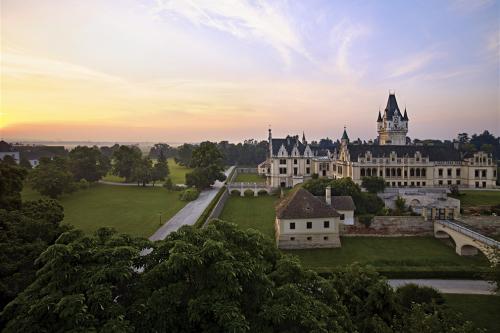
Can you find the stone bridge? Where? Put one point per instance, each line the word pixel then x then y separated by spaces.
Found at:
pixel 254 187
pixel 467 241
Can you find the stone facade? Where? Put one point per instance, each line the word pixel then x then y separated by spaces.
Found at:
pixel 301 237
pixel 292 161
pixel 391 226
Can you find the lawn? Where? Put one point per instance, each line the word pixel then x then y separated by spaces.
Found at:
pixel 251 212
pixel 128 209
pixel 113 178
pixel 177 172
pixel 249 178
pixel 479 198
pixel 482 310
pixel 392 254
pixel 386 254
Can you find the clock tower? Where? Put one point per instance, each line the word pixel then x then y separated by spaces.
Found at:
pixel 392 127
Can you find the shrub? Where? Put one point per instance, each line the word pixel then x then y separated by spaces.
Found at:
pixel 412 294
pixel 366 219
pixel 235 192
pixel 83 184
pixel 168 184
pixel 189 194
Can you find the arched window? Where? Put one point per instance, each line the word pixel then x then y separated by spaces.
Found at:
pixel 399 172
pixel 368 172
pixel 412 172
pixel 393 172
pixel 423 172
pixel 374 172
pixel 387 172
pixel 362 172
pixel 418 172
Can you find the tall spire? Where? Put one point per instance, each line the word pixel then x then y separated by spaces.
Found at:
pixel 270 136
pixel 304 138
pixel 379 119
pixel 345 137
pixel 405 117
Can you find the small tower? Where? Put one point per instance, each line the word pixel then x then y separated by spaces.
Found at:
pixel 392 127
pixel 270 139
pixel 345 137
pixel 304 138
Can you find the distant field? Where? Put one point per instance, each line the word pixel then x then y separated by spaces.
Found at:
pixel 177 174
pixel 482 310
pixel 479 198
pixel 128 209
pixel 390 254
pixel 249 178
pixel 251 212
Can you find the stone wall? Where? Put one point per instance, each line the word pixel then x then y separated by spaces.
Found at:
pixel 486 225
pixel 391 226
pixel 219 206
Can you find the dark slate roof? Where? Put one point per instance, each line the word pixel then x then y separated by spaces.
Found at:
pixel 392 107
pixel 301 204
pixel 344 135
pixel 5 147
pixel 434 153
pixel 379 119
pixel 289 142
pixel 343 202
pixel 405 117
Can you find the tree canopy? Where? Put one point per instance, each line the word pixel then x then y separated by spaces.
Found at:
pixel 88 163
pixel 11 185
pixel 125 159
pixel 52 177
pixel 208 164
pixel 373 184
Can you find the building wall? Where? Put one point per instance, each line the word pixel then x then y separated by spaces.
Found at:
pixel 391 226
pixel 301 237
pixel 348 216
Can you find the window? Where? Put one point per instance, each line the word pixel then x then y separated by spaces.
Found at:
pixel 292 238
pixel 405 183
pixel 308 170
pixel 483 173
pixel 449 182
pixel 440 182
pixel 292 225
pixel 484 184
pixel 282 171
pixel 309 225
pixel 399 184
pixel 423 172
pixel 326 224
pixel 294 161
pixel 449 172
pixel 458 182
pixel 309 238
pixel 457 172
pixel 477 184
pixel 440 172
pixel 412 184
pixel 308 161
pixel 295 171
pixel 423 183
pixel 282 161
pixel 342 217
pixel 476 173
pixel 325 238
pixel 418 183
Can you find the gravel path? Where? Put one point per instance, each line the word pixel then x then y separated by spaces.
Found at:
pixel 190 213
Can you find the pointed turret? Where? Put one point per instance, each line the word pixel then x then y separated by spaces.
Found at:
pixel 304 138
pixel 379 119
pixel 345 137
pixel 405 117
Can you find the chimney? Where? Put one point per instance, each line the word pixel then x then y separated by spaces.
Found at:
pixel 328 195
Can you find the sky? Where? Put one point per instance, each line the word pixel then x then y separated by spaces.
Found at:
pixel 187 71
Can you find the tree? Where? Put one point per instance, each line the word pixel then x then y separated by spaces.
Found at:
pixel 161 149
pixel 160 169
pixel 208 165
pixel 88 163
pixel 142 171
pixel 125 159
pixel 25 163
pixel 373 184
pixel 52 177
pixel 26 233
pixel 11 185
pixel 400 204
pixel 463 138
pixel 184 153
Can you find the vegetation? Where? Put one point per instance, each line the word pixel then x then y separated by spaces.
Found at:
pixel 373 184
pixel 128 209
pixel 208 165
pixel 52 177
pixel 250 152
pixel 482 310
pixel 125 159
pixel 177 172
pixel 162 150
pixel 249 178
pixel 252 212
pixel 184 154
pixel 88 163
pixel 189 194
pixel 215 279
pixel 11 185
pixel 208 210
pixel 473 198
pixel 393 254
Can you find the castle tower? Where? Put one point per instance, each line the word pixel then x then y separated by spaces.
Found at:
pixel 392 127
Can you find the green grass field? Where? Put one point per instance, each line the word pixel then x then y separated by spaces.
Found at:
pixel 177 174
pixel 249 178
pixel 390 254
pixel 482 310
pixel 128 209
pixel 251 212
pixel 479 198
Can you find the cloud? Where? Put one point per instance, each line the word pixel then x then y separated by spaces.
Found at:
pixel 414 63
pixel 259 20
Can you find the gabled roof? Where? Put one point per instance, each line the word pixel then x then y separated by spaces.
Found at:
pixel 289 143
pixel 343 202
pixel 301 204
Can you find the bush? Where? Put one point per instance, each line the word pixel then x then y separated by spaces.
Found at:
pixel 412 294
pixel 189 194
pixel 235 192
pixel 83 184
pixel 366 219
pixel 168 184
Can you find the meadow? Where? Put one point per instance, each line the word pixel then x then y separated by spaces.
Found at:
pixel 129 209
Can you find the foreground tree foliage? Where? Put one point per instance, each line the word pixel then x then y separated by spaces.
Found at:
pixel 11 185
pixel 216 279
pixel 24 235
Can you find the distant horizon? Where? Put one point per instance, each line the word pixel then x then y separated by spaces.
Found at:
pixel 145 70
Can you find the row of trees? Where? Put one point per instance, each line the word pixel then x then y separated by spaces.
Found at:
pixel 129 164
pixel 215 279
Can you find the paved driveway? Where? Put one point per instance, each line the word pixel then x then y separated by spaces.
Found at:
pixel 190 213
pixel 477 287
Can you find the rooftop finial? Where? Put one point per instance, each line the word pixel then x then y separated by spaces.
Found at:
pixel 392 92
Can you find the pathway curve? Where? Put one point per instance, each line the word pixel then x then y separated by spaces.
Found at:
pixel 477 287
pixel 191 212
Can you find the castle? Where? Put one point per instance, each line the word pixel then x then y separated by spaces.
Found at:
pixel 292 161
